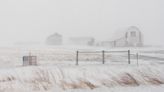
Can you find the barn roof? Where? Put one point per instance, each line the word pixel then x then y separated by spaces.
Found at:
pixel 54 35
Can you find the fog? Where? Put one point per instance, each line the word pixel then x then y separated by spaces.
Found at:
pixel 34 20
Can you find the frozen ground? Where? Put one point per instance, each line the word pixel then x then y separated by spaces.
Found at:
pixel 57 71
pixel 91 78
pixel 12 56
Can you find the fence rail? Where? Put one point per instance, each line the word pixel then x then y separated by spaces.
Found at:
pixel 103 54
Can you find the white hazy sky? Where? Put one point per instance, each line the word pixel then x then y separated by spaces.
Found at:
pixel 34 20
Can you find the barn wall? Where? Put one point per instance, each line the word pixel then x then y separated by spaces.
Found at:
pixel 135 41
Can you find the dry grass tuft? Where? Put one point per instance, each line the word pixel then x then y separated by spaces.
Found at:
pixel 79 85
pixel 127 80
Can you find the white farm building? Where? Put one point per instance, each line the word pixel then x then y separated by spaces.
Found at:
pixel 131 37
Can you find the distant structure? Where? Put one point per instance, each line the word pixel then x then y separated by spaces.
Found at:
pixel 55 39
pixel 131 37
pixel 88 41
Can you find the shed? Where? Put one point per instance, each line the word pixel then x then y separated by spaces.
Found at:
pixel 55 39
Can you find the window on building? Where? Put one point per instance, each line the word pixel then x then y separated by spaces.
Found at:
pixel 133 34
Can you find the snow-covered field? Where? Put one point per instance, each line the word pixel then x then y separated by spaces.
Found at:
pixel 71 78
pixel 57 72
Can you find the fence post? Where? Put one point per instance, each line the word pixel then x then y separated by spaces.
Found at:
pixel 103 57
pixel 129 57
pixel 77 57
pixel 137 58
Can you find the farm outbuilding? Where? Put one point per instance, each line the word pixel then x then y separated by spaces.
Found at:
pixel 55 39
pixel 131 37
pixel 89 41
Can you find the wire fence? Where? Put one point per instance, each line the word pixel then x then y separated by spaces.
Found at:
pixel 103 56
pixel 94 57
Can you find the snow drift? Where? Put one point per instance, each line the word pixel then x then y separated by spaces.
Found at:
pixel 67 77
